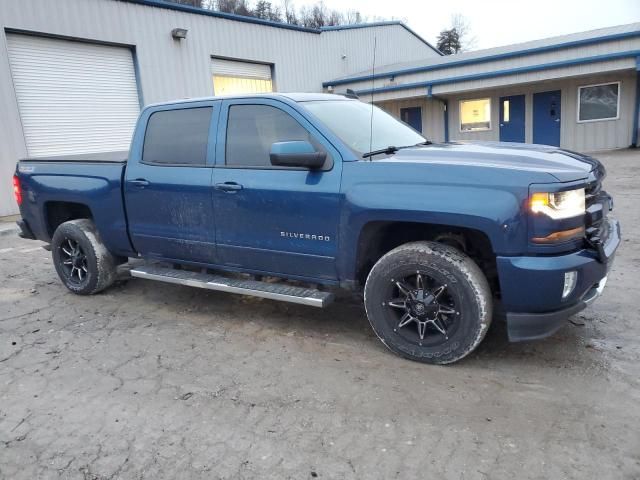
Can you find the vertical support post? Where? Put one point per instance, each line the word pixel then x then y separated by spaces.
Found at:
pixel 445 110
pixel 636 109
pixel 445 104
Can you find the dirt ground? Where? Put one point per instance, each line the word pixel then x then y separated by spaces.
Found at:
pixel 156 381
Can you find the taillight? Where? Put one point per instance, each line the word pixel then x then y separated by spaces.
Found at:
pixel 17 190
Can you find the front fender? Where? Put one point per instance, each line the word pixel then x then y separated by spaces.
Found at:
pixel 495 212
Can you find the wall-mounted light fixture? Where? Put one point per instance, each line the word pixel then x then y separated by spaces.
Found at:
pixel 179 33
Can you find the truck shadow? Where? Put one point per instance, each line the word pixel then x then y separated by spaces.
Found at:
pixel 344 324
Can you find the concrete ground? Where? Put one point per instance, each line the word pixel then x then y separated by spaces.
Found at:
pixel 156 381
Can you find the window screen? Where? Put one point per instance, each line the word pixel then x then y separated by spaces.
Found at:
pixel 598 102
pixel 252 129
pixel 177 137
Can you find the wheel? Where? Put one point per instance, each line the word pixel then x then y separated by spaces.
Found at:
pixel 82 261
pixel 428 302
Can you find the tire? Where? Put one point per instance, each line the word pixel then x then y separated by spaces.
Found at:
pixel 82 261
pixel 428 302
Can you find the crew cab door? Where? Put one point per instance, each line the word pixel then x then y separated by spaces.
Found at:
pixel 279 220
pixel 168 183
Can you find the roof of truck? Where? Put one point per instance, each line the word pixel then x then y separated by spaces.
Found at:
pixel 296 97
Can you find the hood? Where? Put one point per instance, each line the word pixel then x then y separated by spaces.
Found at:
pixel 564 165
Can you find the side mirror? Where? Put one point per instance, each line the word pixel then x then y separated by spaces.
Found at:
pixel 296 153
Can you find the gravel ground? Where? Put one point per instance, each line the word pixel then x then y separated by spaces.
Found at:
pixel 156 381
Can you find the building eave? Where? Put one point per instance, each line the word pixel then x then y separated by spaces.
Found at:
pixel 485 59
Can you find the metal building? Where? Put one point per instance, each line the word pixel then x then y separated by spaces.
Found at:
pixel 74 75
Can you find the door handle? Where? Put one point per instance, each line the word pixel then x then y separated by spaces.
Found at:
pixel 139 182
pixel 557 119
pixel 228 186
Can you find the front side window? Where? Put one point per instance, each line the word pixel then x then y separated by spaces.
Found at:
pixel 177 137
pixel 599 102
pixel 475 115
pixel 252 129
pixel 362 126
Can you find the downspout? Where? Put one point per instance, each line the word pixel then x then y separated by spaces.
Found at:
pixel 445 112
pixel 634 137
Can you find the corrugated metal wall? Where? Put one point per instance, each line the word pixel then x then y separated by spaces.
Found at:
pixel 170 69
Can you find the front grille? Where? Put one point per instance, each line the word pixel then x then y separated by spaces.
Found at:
pixel 598 204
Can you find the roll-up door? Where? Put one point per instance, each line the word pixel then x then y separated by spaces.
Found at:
pixel 73 97
pixel 233 76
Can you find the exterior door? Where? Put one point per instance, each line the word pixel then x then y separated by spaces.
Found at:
pixel 512 118
pixel 412 116
pixel 273 219
pixel 546 118
pixel 168 184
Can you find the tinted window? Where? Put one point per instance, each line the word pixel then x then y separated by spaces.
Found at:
pixel 252 129
pixel 177 137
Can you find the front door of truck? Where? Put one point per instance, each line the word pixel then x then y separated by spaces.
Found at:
pixel 168 184
pixel 273 219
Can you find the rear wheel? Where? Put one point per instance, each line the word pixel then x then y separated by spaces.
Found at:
pixel 82 261
pixel 428 302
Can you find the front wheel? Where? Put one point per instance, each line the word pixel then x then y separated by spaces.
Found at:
pixel 82 261
pixel 428 302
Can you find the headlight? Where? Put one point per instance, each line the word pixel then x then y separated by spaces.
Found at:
pixel 559 205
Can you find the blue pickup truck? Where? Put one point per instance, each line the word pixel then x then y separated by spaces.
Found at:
pixel 324 192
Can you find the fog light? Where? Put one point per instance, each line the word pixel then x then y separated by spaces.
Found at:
pixel 570 280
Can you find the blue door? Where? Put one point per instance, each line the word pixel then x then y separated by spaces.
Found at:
pixel 546 118
pixel 412 116
pixel 277 220
pixel 168 184
pixel 512 118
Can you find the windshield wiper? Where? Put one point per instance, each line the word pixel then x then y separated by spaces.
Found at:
pixel 391 149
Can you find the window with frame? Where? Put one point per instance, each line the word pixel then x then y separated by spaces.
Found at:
pixel 177 137
pixel 252 129
pixel 475 115
pixel 599 102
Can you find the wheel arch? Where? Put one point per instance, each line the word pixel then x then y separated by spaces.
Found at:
pixel 58 212
pixel 378 237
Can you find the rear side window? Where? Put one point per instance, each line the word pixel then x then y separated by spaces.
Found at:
pixel 252 129
pixel 177 137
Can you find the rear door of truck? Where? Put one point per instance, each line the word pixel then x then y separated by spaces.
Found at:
pixel 168 182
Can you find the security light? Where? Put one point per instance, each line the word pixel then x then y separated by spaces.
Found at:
pixel 179 33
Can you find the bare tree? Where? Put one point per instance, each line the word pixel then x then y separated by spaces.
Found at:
pixel 290 15
pixel 312 16
pixel 239 7
pixel 191 3
pixel 460 24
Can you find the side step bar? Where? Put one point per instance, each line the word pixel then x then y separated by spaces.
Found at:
pixel 273 291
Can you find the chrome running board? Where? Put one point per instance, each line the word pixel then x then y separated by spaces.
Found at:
pixel 255 288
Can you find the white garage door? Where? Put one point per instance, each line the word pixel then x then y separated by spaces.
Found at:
pixel 73 97
pixel 233 77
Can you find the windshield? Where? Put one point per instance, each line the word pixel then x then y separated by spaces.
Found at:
pixel 352 122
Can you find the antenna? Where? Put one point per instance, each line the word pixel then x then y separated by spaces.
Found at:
pixel 373 76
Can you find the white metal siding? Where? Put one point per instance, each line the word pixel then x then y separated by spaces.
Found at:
pixel 73 97
pixel 233 68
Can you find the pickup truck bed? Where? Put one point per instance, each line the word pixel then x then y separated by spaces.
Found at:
pixel 73 186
